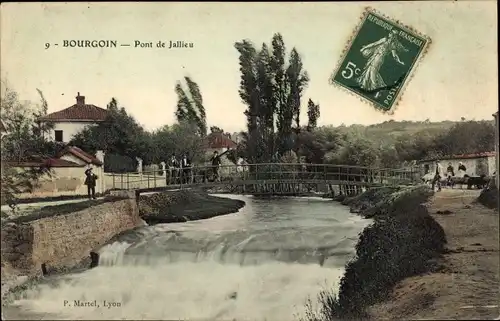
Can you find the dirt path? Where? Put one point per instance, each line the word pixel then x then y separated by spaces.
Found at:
pixel 468 285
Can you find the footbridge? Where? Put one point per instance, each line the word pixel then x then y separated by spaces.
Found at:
pixel 268 178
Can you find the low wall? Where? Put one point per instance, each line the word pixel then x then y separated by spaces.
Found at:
pixel 64 240
pixel 63 181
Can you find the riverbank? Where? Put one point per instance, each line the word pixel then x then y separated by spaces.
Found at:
pixel 183 206
pixel 425 256
pixel 403 241
pixel 467 286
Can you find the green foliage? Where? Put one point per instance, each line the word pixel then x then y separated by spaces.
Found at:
pixel 24 141
pixel 272 90
pixel 215 129
pixel 313 114
pixel 366 145
pixel 190 107
pixel 177 139
pixel 120 134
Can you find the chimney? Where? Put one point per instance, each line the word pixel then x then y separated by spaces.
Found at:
pixel 80 100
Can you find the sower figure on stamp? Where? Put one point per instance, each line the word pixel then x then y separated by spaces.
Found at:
pixel 370 79
pixel 437 176
pixel 90 181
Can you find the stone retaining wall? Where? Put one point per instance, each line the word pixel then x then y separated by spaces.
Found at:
pixel 64 240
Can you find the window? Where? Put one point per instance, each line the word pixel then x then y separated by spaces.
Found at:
pixel 59 135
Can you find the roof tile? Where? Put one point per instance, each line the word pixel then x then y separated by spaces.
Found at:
pixel 79 112
pixel 219 140
pixel 79 153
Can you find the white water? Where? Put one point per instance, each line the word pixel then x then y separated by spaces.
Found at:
pixel 260 264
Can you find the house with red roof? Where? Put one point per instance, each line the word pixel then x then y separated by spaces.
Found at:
pixel 69 121
pixel 219 142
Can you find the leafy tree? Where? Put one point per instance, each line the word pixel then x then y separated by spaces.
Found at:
pixel 313 114
pixel 24 141
pixel 120 134
pixel 272 91
pixel 190 107
pixel 113 105
pixel 177 139
pixel 215 129
pixel 250 97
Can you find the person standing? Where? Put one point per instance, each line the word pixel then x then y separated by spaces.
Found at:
pixel 173 169
pixel 186 169
pixel 216 162
pixel 450 173
pixel 438 174
pixel 90 181
pixel 462 169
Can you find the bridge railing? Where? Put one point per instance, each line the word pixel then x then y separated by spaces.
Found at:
pixel 260 173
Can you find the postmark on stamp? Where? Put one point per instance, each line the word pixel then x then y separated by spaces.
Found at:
pixel 379 60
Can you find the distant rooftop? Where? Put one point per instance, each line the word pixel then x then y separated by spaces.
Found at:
pixel 79 153
pixel 78 112
pixel 219 140
pixel 460 156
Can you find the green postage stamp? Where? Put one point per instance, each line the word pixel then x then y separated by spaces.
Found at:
pixel 379 59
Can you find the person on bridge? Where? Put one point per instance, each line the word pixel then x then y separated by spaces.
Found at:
pixel 173 169
pixel 90 181
pixel 216 162
pixel 438 174
pixel 186 169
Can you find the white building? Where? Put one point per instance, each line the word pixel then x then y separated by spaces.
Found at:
pixel 70 121
pixel 476 164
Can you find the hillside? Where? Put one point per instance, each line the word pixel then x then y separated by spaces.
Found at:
pixel 389 131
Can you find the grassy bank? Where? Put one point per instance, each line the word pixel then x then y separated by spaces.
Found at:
pixel 489 197
pixel 59 209
pixel 183 206
pixel 403 241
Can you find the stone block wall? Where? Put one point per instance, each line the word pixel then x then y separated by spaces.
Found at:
pixel 64 240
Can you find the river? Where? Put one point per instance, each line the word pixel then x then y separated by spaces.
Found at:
pixel 260 263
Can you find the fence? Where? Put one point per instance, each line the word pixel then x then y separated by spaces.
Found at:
pixel 263 173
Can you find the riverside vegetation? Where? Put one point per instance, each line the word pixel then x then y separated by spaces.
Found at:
pixel 403 241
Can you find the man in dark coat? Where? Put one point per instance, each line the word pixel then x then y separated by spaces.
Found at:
pixel 216 162
pixel 90 181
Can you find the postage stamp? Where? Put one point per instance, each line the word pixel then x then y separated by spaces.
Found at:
pixel 379 60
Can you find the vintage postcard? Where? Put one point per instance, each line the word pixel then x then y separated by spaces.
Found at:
pixel 249 161
pixel 380 59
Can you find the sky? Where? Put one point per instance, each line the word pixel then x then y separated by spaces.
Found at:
pixel 456 78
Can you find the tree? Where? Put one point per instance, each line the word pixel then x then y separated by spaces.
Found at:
pixel 249 95
pixel 313 114
pixel 190 107
pixel 177 139
pixel 215 129
pixel 119 134
pixel 113 105
pixel 24 141
pixel 272 92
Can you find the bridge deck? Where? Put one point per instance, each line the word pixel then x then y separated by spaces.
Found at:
pixel 261 174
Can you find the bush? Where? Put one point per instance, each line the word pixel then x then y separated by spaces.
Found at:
pixel 403 241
